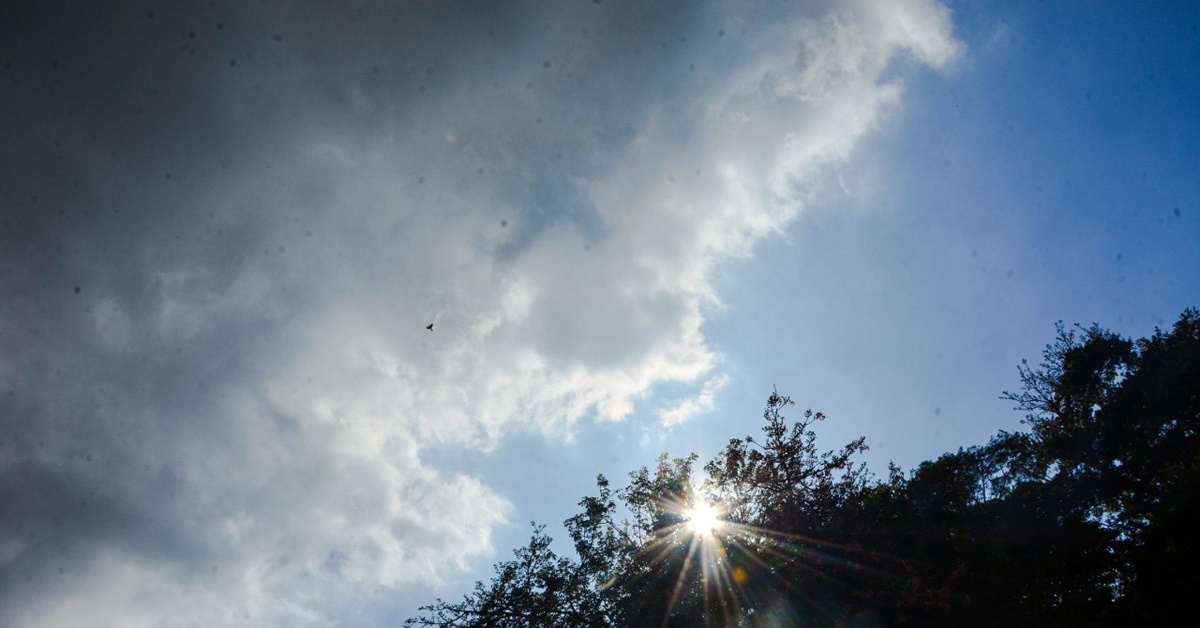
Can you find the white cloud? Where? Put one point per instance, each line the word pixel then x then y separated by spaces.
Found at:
pixel 276 410
pixel 702 402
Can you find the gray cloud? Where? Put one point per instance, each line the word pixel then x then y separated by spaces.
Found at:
pixel 226 227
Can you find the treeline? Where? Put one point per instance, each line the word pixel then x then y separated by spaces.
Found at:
pixel 1089 518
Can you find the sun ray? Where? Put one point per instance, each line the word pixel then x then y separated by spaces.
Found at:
pixel 717 568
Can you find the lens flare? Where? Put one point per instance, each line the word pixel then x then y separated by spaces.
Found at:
pixel 731 573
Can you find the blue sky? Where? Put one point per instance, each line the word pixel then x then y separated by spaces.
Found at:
pixel 1036 180
pixel 226 227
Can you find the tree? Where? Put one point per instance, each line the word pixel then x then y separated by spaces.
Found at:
pixel 785 499
pixel 538 588
pixel 648 567
pixel 785 482
pixel 1087 519
pixel 1120 421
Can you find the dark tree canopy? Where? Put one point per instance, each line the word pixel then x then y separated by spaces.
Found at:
pixel 1087 519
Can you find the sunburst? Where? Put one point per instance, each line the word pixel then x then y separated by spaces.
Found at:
pixel 726 567
pixel 703 519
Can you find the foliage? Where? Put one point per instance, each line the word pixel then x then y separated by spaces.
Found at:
pixel 784 477
pixel 1086 519
pixel 538 588
pixel 1120 422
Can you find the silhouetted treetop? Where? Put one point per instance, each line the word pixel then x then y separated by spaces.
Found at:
pixel 1087 519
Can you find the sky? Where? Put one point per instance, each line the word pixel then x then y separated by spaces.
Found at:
pixel 225 226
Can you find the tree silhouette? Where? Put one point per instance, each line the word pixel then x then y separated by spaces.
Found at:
pixel 1087 519
pixel 537 588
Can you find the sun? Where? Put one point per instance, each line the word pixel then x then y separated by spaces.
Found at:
pixel 703 519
